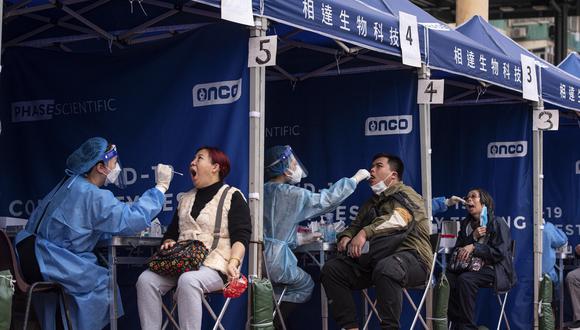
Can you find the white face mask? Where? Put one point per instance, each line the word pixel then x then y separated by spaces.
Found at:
pixel 296 175
pixel 114 174
pixel 379 187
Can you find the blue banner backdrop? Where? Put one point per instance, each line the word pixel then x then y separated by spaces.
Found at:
pixel 158 103
pixel 562 180
pixel 335 125
pixel 491 148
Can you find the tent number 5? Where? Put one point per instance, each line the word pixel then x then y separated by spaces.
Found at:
pixel 266 51
pixel 262 51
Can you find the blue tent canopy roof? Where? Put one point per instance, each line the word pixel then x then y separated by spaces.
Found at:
pixel 571 64
pixel 557 87
pixel 475 50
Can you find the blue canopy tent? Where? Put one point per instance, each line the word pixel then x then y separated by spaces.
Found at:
pixel 561 193
pixel 571 64
pixel 563 96
pixel 74 26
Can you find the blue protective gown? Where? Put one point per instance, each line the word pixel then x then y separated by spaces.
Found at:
pixel 285 206
pixel 552 239
pixel 78 216
pixel 438 205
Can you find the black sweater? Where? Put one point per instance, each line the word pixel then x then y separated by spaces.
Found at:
pixel 239 221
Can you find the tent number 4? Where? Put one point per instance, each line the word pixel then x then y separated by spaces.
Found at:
pixel 430 91
pixel 409 36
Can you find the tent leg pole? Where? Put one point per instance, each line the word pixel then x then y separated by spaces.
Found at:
pixel 538 186
pixel 425 126
pixel 1 23
pixel 256 175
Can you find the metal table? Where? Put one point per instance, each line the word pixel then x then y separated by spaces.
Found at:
pixel 321 249
pixel 113 260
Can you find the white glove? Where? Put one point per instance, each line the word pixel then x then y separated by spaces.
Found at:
pixel 361 175
pixel 453 200
pixel 163 176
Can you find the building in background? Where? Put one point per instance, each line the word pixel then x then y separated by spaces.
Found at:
pixel 537 34
pixel 549 28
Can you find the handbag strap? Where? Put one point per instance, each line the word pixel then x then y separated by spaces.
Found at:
pixel 218 220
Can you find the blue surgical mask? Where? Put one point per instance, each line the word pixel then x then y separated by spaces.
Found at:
pixel 483 217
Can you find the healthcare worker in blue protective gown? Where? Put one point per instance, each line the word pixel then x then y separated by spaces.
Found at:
pixel 285 205
pixel 63 230
pixel 441 204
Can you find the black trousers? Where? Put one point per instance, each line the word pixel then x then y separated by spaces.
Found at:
pixel 339 277
pixel 464 287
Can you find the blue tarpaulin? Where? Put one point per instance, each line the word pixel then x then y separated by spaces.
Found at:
pixel 571 64
pixel 562 184
pixel 157 103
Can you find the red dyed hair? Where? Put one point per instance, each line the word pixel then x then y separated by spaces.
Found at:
pixel 218 157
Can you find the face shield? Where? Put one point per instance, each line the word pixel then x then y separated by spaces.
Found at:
pixel 113 164
pixel 287 163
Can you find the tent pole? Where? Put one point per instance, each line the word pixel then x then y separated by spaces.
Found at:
pixel 538 170
pixel 1 23
pixel 256 175
pixel 425 126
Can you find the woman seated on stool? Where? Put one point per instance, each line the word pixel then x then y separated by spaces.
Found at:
pixel 195 219
pixel 487 238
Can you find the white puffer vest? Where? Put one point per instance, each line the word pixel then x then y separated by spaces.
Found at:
pixel 202 228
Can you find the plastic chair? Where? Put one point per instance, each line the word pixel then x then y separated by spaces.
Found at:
pixel 9 261
pixel 204 299
pixel 503 295
pixel 434 240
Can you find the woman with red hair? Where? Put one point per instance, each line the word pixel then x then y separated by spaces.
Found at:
pixel 195 219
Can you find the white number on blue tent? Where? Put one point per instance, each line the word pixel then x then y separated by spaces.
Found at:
pixel 262 51
pixel 410 50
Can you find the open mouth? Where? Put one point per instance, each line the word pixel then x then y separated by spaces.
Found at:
pixel 193 172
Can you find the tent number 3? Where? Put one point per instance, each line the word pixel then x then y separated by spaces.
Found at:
pixel 529 73
pixel 546 118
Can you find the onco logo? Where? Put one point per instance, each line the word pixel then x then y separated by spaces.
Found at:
pixel 578 167
pixel 221 92
pixel 507 149
pixel 389 125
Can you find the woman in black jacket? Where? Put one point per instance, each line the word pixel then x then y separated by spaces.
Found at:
pixel 485 237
